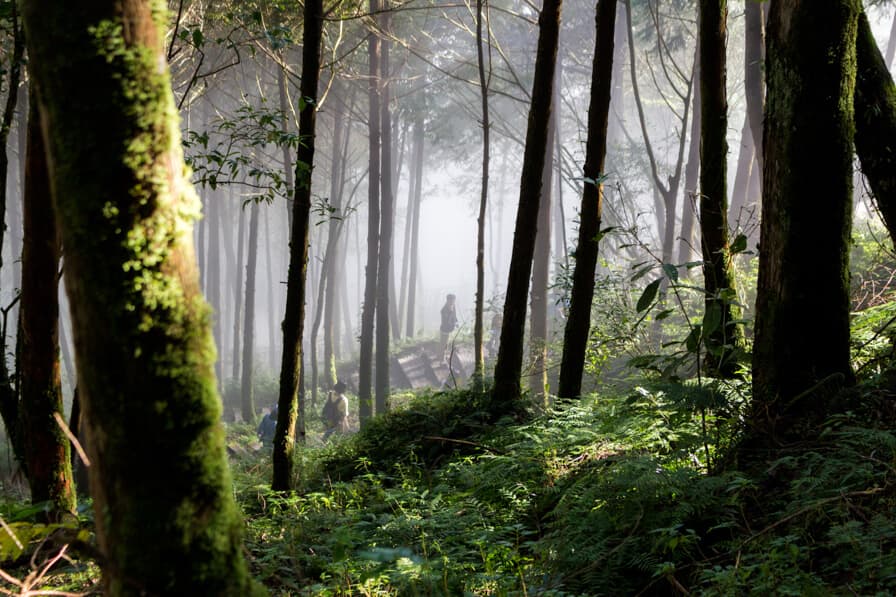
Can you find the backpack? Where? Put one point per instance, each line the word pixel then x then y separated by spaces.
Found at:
pixel 329 411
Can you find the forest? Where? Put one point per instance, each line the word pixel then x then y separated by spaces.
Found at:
pixel 447 297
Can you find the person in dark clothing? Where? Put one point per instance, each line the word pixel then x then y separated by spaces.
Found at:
pixel 267 428
pixel 449 322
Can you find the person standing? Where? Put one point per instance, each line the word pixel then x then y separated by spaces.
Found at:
pixel 449 322
pixel 336 411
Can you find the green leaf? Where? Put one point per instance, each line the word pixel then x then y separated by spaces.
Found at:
pixel 739 245
pixel 664 314
pixel 198 38
pixel 671 271
pixel 712 319
pixel 692 342
pixel 648 295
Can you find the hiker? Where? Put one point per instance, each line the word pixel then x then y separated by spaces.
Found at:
pixel 449 322
pixel 335 413
pixel 267 428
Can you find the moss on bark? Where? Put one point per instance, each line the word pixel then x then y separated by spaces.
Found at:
pixel 802 307
pixel 166 519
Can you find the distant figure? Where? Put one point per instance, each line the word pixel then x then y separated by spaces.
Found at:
pixel 494 339
pixel 335 413
pixel 449 322
pixel 267 428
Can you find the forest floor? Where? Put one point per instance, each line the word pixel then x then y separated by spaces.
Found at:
pixel 624 494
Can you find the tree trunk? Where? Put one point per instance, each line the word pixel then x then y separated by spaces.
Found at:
pixel 802 304
pixel 875 106
pixel 291 415
pixel 578 322
pixel 368 309
pixel 722 335
pixel 271 289
pixel 8 398
pixel 738 215
pixel 47 454
pixel 414 268
pixel 237 274
pixel 478 357
pixel 213 277
pixel 510 354
pixel 385 249
pixel 754 71
pixel 691 179
pixel 247 403
pixel 541 271
pixel 166 521
pixel 286 154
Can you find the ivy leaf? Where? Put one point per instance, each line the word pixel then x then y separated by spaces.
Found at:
pixel 648 295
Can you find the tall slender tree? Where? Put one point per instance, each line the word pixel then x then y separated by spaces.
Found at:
pixel 384 256
pixel 478 357
pixel 248 386
pixel 47 454
pixel 159 473
pixel 578 322
pixel 290 403
pixel 510 353
pixel 368 309
pixel 723 335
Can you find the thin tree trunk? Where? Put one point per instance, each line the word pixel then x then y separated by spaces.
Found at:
pixel 479 358
pixel 578 323
pixel 368 309
pixel 408 222
pixel 384 266
pixel 510 354
pixel 291 407
pixel 745 158
pixel 8 398
pixel 247 403
pixel 754 73
pixel 414 268
pixel 47 454
pixel 891 45
pixel 237 273
pixel 287 155
pixel 272 285
pixel 213 285
pixel 691 180
pixel 541 270
pixel 722 335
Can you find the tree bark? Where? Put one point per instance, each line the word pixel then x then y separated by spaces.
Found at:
pixel 754 71
pixel 691 179
pixel 8 398
pixel 384 266
pixel 159 471
pixel 722 335
pixel 802 304
pixel 510 354
pixel 46 446
pixel 291 412
pixel 541 270
pixel 368 309
pixel 875 117
pixel 414 268
pixel 578 322
pixel 213 279
pixel 478 357
pixel 247 403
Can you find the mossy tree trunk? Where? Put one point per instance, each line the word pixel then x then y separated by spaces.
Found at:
pixel 510 353
pixel 578 322
pixel 290 407
pixel 722 335
pixel 875 105
pixel 802 305
pixel 46 446
pixel 166 521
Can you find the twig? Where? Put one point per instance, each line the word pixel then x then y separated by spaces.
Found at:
pixel 466 443
pixel 72 438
